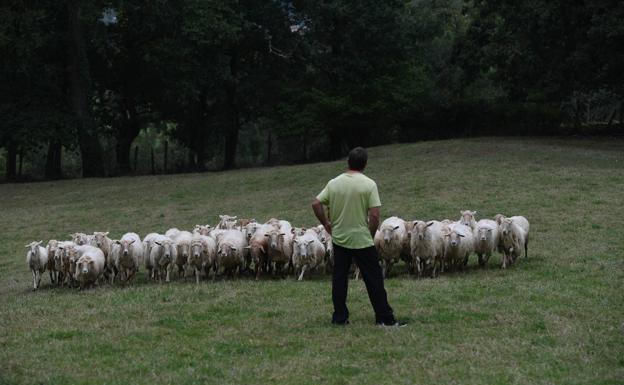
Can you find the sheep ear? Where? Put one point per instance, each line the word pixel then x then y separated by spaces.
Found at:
pixel 117 242
pixel 461 235
pixel 461 212
pixel 28 246
pixel 282 233
pixel 489 230
pixel 247 247
pixel 266 234
pixel 396 227
pixel 106 233
pixel 430 223
pixel 233 248
pixel 474 213
pixel 132 241
pixel 158 243
pixel 292 231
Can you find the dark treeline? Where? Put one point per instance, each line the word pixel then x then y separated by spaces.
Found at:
pixel 94 88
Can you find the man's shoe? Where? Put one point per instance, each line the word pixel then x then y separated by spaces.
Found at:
pixel 396 324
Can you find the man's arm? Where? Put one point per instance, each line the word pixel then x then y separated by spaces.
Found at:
pixel 319 211
pixel 373 220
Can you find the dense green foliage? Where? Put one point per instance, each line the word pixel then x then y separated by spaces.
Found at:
pixel 246 82
pixel 554 318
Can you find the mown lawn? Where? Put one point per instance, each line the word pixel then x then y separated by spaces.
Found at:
pixel 557 317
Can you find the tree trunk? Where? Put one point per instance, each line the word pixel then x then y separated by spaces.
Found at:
pixel 79 95
pixel 269 149
pixel 21 163
pixel 231 135
pixel 11 163
pixel 53 168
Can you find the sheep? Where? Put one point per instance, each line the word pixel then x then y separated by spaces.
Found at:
pixel 172 233
pixel 216 234
pixel 258 248
pixel 458 244
pixel 389 241
pixel 467 218
pixel 37 259
pixel 250 228
pixel 202 229
pixel 280 248
pixel 486 239
pixel 308 252
pixel 226 222
pixel 129 256
pixel 163 253
pixel 90 265
pixel 326 240
pixel 104 243
pixel 514 234
pixel 148 243
pixel 427 246
pixel 53 260
pixel 230 252
pixel 81 238
pixel 183 240
pixel 69 257
pixel 203 254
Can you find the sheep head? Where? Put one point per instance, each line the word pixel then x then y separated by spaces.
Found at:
pixel 100 238
pixel 388 233
pixel 467 217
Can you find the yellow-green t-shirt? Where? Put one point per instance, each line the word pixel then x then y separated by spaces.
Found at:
pixel 349 196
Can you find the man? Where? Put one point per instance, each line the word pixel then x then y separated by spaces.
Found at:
pixel 353 202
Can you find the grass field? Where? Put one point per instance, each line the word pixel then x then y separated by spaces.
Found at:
pixel 556 318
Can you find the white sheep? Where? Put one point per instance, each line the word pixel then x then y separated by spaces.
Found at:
pixel 427 246
pixel 37 259
pixel 148 243
pixel 458 244
pixel 308 253
pixel 486 239
pixel 230 251
pixel 202 256
pixel 514 235
pixel 183 240
pixel 163 254
pixel 467 218
pixel 226 222
pixel 389 240
pixel 129 256
pixel 90 265
pixel 172 233
pixel 81 238
pixel 202 229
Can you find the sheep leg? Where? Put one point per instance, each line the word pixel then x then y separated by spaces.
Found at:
pixel 197 276
pixel 34 279
pixel 303 269
pixel 38 279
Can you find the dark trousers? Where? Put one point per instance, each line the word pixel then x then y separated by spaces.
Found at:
pixel 367 261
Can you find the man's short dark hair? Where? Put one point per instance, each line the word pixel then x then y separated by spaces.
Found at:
pixel 357 158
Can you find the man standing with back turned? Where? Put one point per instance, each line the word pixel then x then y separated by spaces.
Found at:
pixel 353 202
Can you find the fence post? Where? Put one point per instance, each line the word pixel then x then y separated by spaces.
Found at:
pixel 166 151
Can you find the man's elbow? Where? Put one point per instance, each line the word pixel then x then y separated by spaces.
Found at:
pixel 316 203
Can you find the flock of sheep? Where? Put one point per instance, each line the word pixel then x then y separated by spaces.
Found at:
pixel 245 245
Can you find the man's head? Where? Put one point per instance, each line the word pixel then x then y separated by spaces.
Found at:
pixel 357 159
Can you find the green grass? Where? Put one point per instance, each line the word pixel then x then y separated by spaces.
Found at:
pixel 557 317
